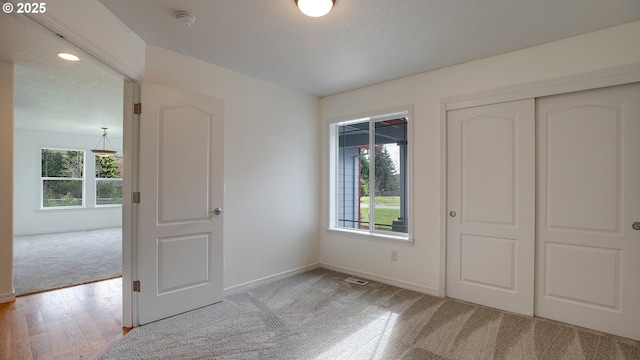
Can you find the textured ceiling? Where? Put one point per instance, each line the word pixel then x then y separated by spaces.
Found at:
pixel 55 95
pixel 361 42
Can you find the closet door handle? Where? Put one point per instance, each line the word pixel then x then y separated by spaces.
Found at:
pixel 636 225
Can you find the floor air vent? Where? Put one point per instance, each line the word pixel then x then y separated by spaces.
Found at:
pixel 356 281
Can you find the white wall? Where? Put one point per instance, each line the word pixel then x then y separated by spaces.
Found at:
pixel 419 266
pixel 29 218
pixel 6 182
pixel 271 152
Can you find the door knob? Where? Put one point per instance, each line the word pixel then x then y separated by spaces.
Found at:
pixel 636 225
pixel 453 214
pixel 216 211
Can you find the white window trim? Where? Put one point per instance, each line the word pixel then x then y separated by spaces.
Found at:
pixel 83 179
pixel 42 207
pixel 96 179
pixel 371 117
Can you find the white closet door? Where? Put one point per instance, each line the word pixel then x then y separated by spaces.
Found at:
pixel 588 252
pixel 491 205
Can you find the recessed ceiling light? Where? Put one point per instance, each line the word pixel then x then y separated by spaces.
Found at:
pixel 68 56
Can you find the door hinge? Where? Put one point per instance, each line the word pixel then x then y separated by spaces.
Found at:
pixel 136 197
pixel 137 109
pixel 136 285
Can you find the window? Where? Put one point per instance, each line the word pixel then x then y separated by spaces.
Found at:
pixel 369 170
pixel 62 178
pixel 108 180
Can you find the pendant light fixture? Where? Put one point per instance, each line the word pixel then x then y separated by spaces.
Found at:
pixel 315 8
pixel 104 140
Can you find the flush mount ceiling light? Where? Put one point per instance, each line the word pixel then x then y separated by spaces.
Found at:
pixel 187 19
pixel 315 8
pixel 104 151
pixel 68 56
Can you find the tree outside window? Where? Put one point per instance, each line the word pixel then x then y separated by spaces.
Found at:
pixel 62 174
pixel 108 180
pixel 372 191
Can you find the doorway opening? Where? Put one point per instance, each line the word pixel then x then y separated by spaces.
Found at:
pixel 67 201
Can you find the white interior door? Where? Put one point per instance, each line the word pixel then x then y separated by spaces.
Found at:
pixel 588 253
pixel 179 252
pixel 491 205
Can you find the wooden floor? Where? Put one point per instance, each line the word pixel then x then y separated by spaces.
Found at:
pixel 79 322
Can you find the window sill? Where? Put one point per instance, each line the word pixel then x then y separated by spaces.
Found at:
pixel 77 208
pixel 55 208
pixel 391 239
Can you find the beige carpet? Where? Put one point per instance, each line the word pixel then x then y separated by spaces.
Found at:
pixel 318 315
pixel 53 261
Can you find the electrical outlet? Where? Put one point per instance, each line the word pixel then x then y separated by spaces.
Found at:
pixel 394 255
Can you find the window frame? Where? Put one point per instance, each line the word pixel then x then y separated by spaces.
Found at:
pixel 49 178
pixel 97 179
pixel 334 162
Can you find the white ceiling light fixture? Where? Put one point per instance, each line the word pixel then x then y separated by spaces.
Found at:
pixel 187 19
pixel 315 8
pixel 104 152
pixel 68 56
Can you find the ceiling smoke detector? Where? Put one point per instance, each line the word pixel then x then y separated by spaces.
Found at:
pixel 187 19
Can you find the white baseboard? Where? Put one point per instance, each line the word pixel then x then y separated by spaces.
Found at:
pixel 58 231
pixel 385 280
pixel 268 279
pixel 8 297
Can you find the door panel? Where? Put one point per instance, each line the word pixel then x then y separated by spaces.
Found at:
pixel 181 183
pixel 588 198
pixel 182 262
pixel 583 147
pixel 488 169
pixel 576 283
pixel 490 227
pixel 477 251
pixel 183 133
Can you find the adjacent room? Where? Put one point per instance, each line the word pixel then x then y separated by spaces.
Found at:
pixel 296 185
pixel 67 199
